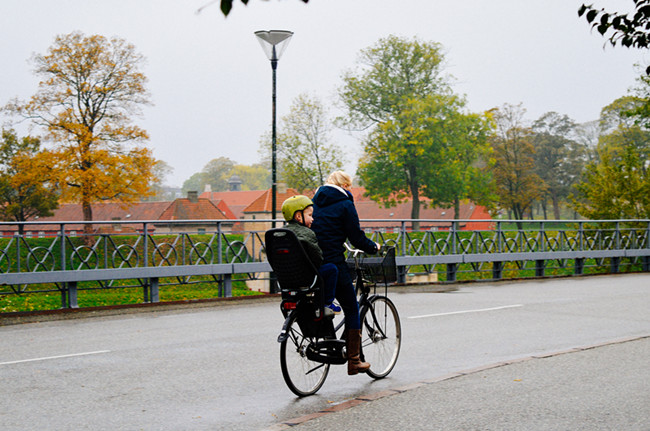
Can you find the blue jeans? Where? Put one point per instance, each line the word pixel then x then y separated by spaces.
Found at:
pixel 347 297
pixel 330 274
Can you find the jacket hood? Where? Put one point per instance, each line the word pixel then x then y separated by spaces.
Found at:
pixel 328 195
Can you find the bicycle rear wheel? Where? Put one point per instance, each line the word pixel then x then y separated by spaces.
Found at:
pixel 303 376
pixel 381 336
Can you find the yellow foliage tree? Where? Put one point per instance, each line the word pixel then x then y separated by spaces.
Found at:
pixel 91 88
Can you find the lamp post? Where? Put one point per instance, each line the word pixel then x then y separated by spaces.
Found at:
pixel 273 42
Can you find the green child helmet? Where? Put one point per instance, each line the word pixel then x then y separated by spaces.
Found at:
pixel 293 204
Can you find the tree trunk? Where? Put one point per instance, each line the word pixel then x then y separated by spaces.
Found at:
pixel 556 206
pixel 519 215
pixel 87 210
pixel 415 207
pixel 456 208
pixel 415 213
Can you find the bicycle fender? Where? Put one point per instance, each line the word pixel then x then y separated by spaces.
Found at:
pixel 284 334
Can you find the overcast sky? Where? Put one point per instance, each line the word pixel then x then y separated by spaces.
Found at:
pixel 211 82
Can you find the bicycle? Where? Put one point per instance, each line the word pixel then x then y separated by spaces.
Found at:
pixel 309 343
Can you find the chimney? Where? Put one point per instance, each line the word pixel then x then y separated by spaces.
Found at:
pixel 193 196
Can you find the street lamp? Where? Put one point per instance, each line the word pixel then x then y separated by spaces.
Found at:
pixel 273 42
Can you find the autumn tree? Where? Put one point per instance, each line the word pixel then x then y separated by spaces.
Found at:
pixel 23 193
pixel 517 183
pixel 90 89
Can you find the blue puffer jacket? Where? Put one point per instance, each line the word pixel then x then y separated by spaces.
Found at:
pixel 335 220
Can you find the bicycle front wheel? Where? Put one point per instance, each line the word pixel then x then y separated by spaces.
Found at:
pixel 381 336
pixel 303 376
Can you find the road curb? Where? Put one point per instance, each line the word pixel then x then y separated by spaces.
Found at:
pixel 348 404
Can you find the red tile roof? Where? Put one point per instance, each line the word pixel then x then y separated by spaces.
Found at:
pixel 185 209
pixel 369 209
pixel 263 203
pixel 236 201
pixel 366 208
pixel 225 209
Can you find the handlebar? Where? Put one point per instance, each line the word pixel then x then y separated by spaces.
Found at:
pixel 355 251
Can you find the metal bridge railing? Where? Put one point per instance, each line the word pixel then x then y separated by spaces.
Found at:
pixel 60 257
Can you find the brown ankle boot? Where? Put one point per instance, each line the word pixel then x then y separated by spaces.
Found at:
pixel 353 342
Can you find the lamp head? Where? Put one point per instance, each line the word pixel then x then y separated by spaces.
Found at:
pixel 273 42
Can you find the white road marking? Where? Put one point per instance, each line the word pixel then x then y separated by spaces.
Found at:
pixel 466 311
pixel 55 357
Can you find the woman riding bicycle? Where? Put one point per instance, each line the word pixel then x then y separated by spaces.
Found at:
pixel 335 221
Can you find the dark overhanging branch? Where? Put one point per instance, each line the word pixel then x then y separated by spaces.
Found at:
pixel 226 5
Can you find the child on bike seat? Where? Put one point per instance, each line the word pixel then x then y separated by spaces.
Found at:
pixel 298 212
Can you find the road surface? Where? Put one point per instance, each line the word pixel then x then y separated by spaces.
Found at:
pixel 217 368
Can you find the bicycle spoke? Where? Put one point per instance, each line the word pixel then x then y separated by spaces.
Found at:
pixel 381 336
pixel 302 375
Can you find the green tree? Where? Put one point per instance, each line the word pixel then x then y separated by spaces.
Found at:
pixel 616 184
pixel 420 142
pixel 429 149
pixel 557 158
pixel 161 170
pixel 89 91
pixel 641 109
pixel 389 74
pixel 254 177
pixel 614 188
pixel 517 184
pixel 305 155
pixel 195 183
pixel 622 129
pixel 217 171
pixel 586 136
pixel 23 193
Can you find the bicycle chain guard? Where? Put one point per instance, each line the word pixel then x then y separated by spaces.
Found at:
pixel 327 352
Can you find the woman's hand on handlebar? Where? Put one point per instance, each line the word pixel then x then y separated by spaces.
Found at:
pixel 356 251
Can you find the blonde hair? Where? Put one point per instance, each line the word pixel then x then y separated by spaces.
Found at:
pixel 339 178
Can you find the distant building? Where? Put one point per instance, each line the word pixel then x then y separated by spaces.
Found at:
pixel 131 216
pixel 237 201
pixel 238 205
pixel 369 209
